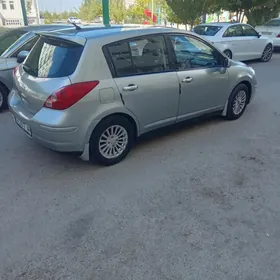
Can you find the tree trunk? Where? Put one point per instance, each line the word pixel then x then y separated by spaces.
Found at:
pixel 242 19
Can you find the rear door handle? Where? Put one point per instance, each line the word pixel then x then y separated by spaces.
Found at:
pixel 130 88
pixel 187 80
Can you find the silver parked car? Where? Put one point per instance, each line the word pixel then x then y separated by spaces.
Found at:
pixel 14 45
pixel 95 92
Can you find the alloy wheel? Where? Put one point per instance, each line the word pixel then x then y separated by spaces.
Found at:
pixel 239 102
pixel 267 53
pixel 228 54
pixel 1 99
pixel 113 142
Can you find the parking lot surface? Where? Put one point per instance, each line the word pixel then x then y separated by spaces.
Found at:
pixel 197 202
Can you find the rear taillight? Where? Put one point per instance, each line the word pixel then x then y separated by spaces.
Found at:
pixel 15 71
pixel 278 36
pixel 69 95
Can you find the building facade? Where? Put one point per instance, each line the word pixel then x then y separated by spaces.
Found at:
pixel 11 12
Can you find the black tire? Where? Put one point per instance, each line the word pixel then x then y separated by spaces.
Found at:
pixel 228 54
pixel 3 98
pixel 267 53
pixel 95 153
pixel 233 114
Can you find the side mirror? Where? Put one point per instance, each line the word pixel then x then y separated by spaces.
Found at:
pixel 226 63
pixel 22 56
pixel 259 35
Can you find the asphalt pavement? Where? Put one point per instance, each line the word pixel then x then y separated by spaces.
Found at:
pixel 197 202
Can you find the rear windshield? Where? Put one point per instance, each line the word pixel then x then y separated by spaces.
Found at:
pixel 53 58
pixel 207 30
pixel 273 22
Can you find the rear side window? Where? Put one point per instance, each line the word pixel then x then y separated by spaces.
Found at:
pixel 53 58
pixel 234 31
pixel 207 30
pixel 145 55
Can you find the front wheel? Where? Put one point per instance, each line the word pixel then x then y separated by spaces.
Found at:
pixel 267 53
pixel 237 102
pixel 111 141
pixel 228 54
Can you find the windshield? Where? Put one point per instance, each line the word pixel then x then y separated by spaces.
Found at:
pixel 8 38
pixel 53 58
pixel 273 22
pixel 207 30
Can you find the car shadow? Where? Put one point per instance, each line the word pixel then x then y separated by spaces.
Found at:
pixel 177 129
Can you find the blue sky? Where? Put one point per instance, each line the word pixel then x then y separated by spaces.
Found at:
pixel 59 5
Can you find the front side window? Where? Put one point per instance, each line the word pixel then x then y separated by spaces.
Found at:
pixel 53 58
pixel 191 53
pixel 8 38
pixel 249 31
pixel 27 47
pixel 145 55
pixel 234 31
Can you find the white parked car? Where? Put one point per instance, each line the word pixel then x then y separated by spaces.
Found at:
pixel 271 29
pixel 238 41
pixel 74 20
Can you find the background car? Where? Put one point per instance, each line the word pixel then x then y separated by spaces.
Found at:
pixel 238 41
pixel 271 29
pixel 74 20
pixel 12 43
pixel 72 101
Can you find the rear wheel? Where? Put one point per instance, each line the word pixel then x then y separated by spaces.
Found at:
pixel 3 98
pixel 237 102
pixel 228 53
pixel 111 141
pixel 267 53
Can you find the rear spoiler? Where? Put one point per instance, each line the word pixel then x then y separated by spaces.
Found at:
pixel 61 36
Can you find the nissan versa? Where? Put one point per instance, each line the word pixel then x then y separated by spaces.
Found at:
pixel 94 92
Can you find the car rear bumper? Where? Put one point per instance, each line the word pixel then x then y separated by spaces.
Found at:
pixel 47 127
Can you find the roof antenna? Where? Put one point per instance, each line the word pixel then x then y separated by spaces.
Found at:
pixel 77 26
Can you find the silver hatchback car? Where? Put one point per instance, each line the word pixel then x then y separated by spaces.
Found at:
pixel 95 92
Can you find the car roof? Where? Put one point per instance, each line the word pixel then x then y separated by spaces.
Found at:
pixel 45 27
pixel 91 32
pixel 224 24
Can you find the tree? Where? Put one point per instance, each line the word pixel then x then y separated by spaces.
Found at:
pixel 136 11
pixel 28 5
pixel 188 11
pixel 256 11
pixel 117 10
pixel 172 17
pixel 90 9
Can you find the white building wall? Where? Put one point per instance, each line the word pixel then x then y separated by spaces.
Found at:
pixel 11 13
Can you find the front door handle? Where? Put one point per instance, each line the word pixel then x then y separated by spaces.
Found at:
pixel 187 80
pixel 130 88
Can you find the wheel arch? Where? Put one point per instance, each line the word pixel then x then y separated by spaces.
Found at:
pixel 244 82
pixel 124 115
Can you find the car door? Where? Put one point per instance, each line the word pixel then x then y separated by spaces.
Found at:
pixel 148 87
pixel 255 44
pixel 204 83
pixel 233 40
